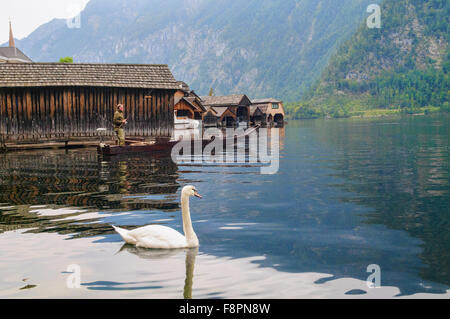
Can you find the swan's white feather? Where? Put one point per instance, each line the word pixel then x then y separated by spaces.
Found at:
pixel 124 234
pixel 156 236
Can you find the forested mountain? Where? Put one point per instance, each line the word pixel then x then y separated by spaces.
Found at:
pixel 274 48
pixel 402 65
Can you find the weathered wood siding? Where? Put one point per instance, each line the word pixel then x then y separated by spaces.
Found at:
pixel 46 113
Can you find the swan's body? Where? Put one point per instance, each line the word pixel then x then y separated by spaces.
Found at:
pixel 161 237
pixel 155 236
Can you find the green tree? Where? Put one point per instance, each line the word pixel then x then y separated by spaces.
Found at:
pixel 67 59
pixel 211 92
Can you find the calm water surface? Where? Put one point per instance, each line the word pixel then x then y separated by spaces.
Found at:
pixel 349 193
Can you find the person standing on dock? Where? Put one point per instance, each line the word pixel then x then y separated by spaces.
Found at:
pixel 119 123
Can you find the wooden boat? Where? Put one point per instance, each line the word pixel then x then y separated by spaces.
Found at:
pixel 136 147
pixel 159 145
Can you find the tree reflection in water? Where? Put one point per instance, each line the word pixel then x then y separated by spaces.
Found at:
pixel 78 182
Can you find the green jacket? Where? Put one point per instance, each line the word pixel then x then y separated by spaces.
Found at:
pixel 118 120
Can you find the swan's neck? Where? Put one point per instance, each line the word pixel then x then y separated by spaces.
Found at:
pixel 189 233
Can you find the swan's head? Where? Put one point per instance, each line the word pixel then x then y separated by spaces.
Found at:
pixel 190 191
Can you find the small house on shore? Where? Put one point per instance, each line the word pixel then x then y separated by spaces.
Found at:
pixel 273 110
pixel 258 115
pixel 188 104
pixel 210 118
pixel 189 107
pixel 59 101
pixel 226 117
pixel 231 110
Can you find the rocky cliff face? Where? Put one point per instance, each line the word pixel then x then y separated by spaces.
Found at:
pixel 261 47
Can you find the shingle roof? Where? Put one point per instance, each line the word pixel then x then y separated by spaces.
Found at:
pixel 261 107
pixel 221 109
pixel 192 100
pixel 183 86
pixel 211 110
pixel 268 100
pixel 14 54
pixel 222 100
pixel 85 74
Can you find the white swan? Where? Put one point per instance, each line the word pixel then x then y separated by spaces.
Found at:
pixel 161 237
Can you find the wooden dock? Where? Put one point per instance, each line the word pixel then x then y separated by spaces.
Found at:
pixel 61 144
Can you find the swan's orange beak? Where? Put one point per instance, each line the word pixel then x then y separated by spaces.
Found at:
pixel 196 194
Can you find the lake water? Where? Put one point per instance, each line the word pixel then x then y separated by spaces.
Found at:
pixel 350 193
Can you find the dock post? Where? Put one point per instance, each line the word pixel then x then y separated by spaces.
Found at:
pixel 3 147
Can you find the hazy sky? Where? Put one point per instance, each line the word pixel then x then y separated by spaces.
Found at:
pixel 27 15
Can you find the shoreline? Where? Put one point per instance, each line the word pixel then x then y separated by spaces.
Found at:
pixel 379 113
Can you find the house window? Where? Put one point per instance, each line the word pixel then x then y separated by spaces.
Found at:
pixel 275 106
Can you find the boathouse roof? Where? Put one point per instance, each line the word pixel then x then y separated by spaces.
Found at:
pixel 193 103
pixel 267 100
pixel 261 107
pixel 210 111
pixel 152 76
pixel 183 86
pixel 229 100
pixel 220 110
pixel 196 103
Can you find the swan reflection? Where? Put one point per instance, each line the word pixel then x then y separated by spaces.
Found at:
pixel 158 254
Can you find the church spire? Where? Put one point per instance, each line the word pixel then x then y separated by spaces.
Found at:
pixel 11 37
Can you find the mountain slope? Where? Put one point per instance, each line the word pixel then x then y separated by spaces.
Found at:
pixel 403 65
pixel 260 47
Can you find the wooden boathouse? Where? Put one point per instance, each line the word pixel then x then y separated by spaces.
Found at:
pixel 258 115
pixel 231 109
pixel 187 103
pixel 273 110
pixel 210 118
pixel 57 101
